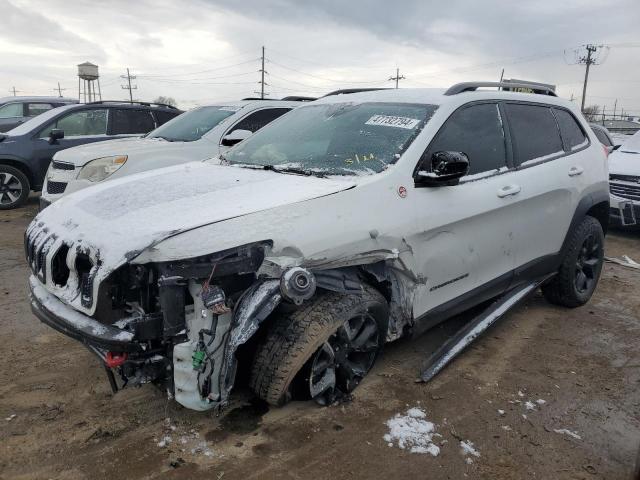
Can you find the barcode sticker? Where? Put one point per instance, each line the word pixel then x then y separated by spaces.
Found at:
pixel 393 121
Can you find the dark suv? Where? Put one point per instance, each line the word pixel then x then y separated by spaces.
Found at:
pixel 17 110
pixel 26 151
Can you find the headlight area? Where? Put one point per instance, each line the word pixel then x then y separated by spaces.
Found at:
pixel 180 314
pixel 101 168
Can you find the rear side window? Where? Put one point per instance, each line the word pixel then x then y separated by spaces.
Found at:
pixel 130 121
pixel 256 120
pixel 573 136
pixel 476 131
pixel 534 132
pixel 164 117
pixel 35 109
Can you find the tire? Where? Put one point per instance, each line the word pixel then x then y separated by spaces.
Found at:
pixel 14 187
pixel 285 359
pixel 581 266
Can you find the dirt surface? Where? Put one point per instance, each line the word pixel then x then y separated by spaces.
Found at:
pixel 60 420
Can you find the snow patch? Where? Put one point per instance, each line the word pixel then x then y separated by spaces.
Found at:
pixel 468 448
pixel 412 432
pixel 564 431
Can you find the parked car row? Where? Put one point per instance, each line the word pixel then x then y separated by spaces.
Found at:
pixel 293 256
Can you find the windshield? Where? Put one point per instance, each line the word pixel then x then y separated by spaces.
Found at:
pixel 36 122
pixel 632 145
pixel 192 125
pixel 335 139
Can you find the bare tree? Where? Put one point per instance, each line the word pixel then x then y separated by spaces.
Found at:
pixel 166 100
pixel 591 112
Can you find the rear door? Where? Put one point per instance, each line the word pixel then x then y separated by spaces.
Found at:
pixel 469 252
pixel 550 174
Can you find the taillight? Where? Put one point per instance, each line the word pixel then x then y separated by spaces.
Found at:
pixel 606 150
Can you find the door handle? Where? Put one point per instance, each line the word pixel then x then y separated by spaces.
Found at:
pixel 508 190
pixel 575 171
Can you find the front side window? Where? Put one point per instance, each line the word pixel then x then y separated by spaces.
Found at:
pixel 476 131
pixel 573 136
pixel 82 123
pixel 335 138
pixel 11 110
pixel 35 109
pixel 130 121
pixel 192 125
pixel 534 132
pixel 256 120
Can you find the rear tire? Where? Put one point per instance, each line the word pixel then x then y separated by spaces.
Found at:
pixel 315 334
pixel 14 187
pixel 580 270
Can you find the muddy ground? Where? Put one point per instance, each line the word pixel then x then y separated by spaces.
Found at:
pixel 60 420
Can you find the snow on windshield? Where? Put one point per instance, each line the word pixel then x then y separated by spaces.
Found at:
pixel 336 139
pixel 192 125
pixel 632 145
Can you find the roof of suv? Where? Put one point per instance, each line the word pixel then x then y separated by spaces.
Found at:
pixel 37 99
pixel 459 93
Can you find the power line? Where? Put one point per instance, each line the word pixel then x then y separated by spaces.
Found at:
pixel 129 87
pixel 198 72
pixel 330 80
pixel 397 77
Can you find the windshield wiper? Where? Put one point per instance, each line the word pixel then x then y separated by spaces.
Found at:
pixel 294 170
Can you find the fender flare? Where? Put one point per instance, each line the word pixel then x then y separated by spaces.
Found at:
pixel 586 203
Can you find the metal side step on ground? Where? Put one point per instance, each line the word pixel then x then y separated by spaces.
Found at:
pixel 472 330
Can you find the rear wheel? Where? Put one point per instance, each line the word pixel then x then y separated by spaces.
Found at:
pixel 580 270
pixel 322 350
pixel 14 187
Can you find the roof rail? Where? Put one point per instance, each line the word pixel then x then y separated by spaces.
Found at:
pixel 298 98
pixel 127 102
pixel 537 88
pixel 345 91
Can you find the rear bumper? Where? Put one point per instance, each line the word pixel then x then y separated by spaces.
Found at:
pixel 74 324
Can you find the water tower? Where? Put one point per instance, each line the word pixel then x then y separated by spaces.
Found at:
pixel 88 79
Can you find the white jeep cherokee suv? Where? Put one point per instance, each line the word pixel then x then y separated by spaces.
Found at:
pixel 198 134
pixel 351 221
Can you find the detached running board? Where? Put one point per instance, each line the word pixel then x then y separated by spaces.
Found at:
pixel 472 330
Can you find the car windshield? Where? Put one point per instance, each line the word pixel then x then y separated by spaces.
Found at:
pixel 192 125
pixel 36 122
pixel 334 138
pixel 632 145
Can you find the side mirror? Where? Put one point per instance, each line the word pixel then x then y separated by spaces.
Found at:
pixel 236 137
pixel 442 169
pixel 55 135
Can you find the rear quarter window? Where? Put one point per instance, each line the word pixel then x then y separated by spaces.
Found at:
pixel 572 134
pixel 534 132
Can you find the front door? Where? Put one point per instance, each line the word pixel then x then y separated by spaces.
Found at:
pixel 469 254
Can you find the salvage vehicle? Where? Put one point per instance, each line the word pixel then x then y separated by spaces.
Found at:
pixel 624 182
pixel 201 133
pixel 19 109
pixel 26 151
pixel 351 221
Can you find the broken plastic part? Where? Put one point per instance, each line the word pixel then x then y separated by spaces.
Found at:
pixel 113 360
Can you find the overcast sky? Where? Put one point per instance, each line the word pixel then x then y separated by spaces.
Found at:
pixel 203 51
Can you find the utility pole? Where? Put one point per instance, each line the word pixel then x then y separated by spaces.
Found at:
pixel 262 72
pixel 59 89
pixel 397 77
pixel 615 106
pixel 588 61
pixel 13 89
pixel 129 87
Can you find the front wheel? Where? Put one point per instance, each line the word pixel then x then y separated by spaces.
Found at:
pixel 580 270
pixel 323 350
pixel 14 187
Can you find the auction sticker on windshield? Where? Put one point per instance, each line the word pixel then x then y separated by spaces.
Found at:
pixel 393 121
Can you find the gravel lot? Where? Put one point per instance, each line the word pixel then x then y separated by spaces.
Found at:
pixel 580 369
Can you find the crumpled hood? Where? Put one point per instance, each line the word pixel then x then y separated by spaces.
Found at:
pixel 624 163
pixel 134 148
pixel 119 219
